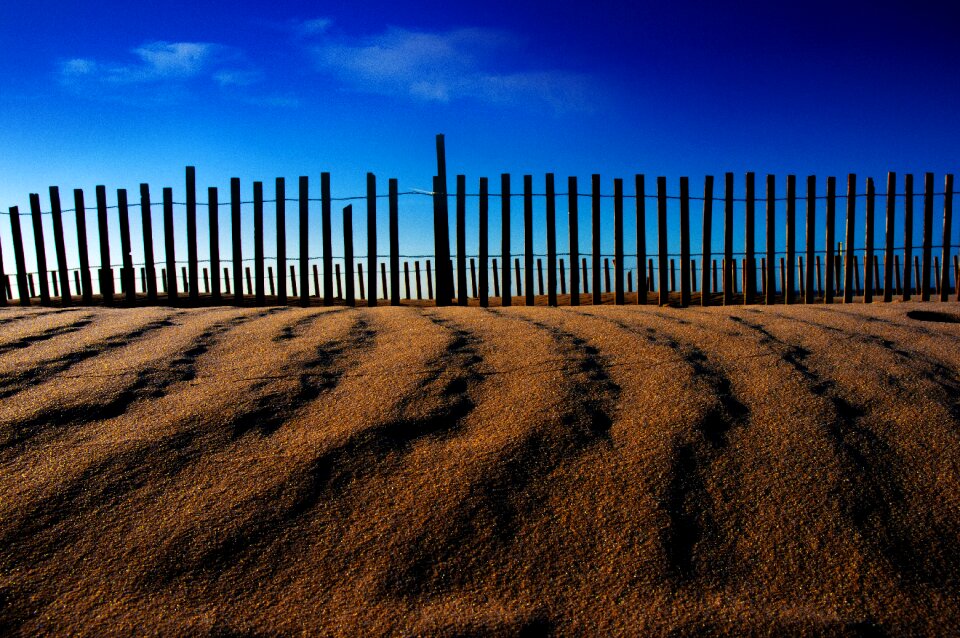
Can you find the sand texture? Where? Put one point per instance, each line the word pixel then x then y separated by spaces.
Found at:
pixel 470 472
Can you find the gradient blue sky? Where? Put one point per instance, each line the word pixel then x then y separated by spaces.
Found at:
pixel 119 93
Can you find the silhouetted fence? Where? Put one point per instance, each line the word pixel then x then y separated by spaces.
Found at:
pixel 750 276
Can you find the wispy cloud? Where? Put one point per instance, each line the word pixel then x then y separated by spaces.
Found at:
pixel 154 62
pixel 477 64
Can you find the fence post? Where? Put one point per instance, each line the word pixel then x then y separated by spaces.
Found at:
pixel 819 277
pixel 750 270
pixel 61 248
pixel 393 211
pixel 693 276
pixel 606 274
pixel 791 237
pixel 146 225
pixel 192 258
pixel 273 291
pixel 506 299
pixel 539 276
pixel 339 285
pixel 896 273
pixel 371 240
pixel 348 253
pixel 876 275
pixel 473 277
pixel 444 273
pixel 213 222
pixel 673 275
pixel 81 215
pixel 106 272
pixel 916 274
pixel 856 275
pixel 484 242
pixel 811 229
pixel 235 230
pixel 868 282
pixel 595 225
pixel 528 239
pixel 947 236
pixel 551 241
pixel 206 281
pixel 429 281
pixel 360 285
pixel 927 236
pixel 771 292
pixel 280 202
pixel 170 251
pixel 249 282
pixel 383 280
pixel 907 235
pixel 662 239
pixel 801 279
pixel 496 279
pixel 406 278
pixel 889 239
pixel 186 281
pixel 563 278
pixel 848 254
pixel 713 266
pixel 327 239
pixel 461 240
pixel 18 256
pixel 784 272
pixel 5 292
pixel 127 276
pixel 728 262
pixel 293 280
pixel 41 251
pixel 316 281
pixel 618 266
pixel 830 232
pixel 684 242
pixel 258 258
pixel 226 281
pixel 416 268
pixel 706 246
pixel 304 243
pixel 650 285
pixel 641 197
pixel 583 261
pixel 516 263
pixel 573 225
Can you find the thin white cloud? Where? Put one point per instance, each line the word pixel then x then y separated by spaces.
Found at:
pixel 156 62
pixel 446 66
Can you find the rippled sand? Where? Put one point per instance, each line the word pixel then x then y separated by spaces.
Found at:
pixel 458 471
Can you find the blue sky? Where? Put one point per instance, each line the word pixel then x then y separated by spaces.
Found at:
pixel 119 93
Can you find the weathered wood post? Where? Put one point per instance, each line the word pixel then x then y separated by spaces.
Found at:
pixel 40 247
pixel 81 216
pixel 811 229
pixel 661 240
pixel 830 232
pixel 595 227
pixel 506 299
pixel 258 257
pixel 192 257
pixel 169 246
pixel 236 230
pixel 394 213
pixel 293 281
pixel 641 197
pixel 406 278
pixel 484 245
pixel 106 272
pixel 563 278
pixel 18 256
pixel 728 272
pixel 868 244
pixel 281 230
pixel 127 275
pixel 791 237
pixel 586 278
pixel 348 253
pixel 303 185
pixel 927 236
pixel 750 281
pixel 416 268
pixel 226 281
pixel 429 281
pixel 947 236
pixel 684 243
pixel 907 234
pixel 62 268
pixel 473 277
pixel 888 289
pixel 539 276
pixel 213 221
pixel 706 247
pixel 461 240
pixel 551 210
pixel 573 226
pixel 442 228
pixel 496 278
pixel 371 241
pixel 327 232
pixel 771 287
pixel 848 265
pixel 528 240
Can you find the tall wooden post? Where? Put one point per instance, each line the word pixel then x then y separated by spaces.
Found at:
pixel 461 240
pixel 507 298
pixel 62 269
pixel 728 276
pixel 127 275
pixel 235 229
pixel 18 256
pixel 371 240
pixel 661 241
pixel 618 242
pixel 706 239
pixel 192 256
pixel 791 237
pixel 327 232
pixel 86 285
pixel 771 240
pixel 868 244
pixel 574 230
pixel 406 278
pixel 393 204
pixel 528 239
pixel 888 288
pixel 927 263
pixel 483 243
pixel 811 229
pixel 259 271
pixel 281 210
pixel 213 221
pixel 304 227
pixel 348 253
pixel 146 225
pixel 907 235
pixel 583 262
pixel 750 269
pixel 684 242
pixel 595 227
pixel 830 232
pixel 169 245
pixel 40 247
pixel 442 227
pixel 106 272
pixel 551 241
pixel 947 236
pixel 641 196
pixel 848 253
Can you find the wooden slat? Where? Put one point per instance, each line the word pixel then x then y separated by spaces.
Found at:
pixel 848 254
pixel 595 236
pixel 327 232
pixel 927 263
pixel 383 280
pixel 406 278
pixel 348 254
pixel 429 280
pixel 907 235
pixel 563 278
pixel 750 281
pixel 393 204
pixel 213 224
pixel 539 276
pixel 416 267
pixel 583 262
pixel 18 256
pixel 304 243
pixel 573 228
pixel 249 282
pixel 339 286
pixel 661 240
pixel 83 255
pixel 868 243
pixel 316 281
pixel 947 237
pixel 192 257
pixel 528 239
pixel 106 272
pixel 673 275
pixel 888 289
pixel 146 227
pixel 371 240
pixel 771 288
pixel 206 281
pixel 551 211
pixel 791 231
pixel 461 240
pixel 126 249
pixel 728 277
pixel 641 201
pixel 506 299
pixel 236 232
pixel 830 238
pixel 811 230
pixel 169 246
pixel 444 273
pixel 60 245
pixel 273 291
pixel 293 281
pixel 496 278
pixel 516 264
pixel 281 232
pixel 360 287
pixel 705 242
pixel 259 267
pixel 40 247
pixel 483 242
pixel 684 242
pixel 473 277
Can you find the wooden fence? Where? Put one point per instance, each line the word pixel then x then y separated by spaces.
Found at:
pixel 789 276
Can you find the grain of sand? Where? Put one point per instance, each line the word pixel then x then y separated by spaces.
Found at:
pixel 464 471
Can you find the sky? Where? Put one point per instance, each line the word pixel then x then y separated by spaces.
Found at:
pixel 120 93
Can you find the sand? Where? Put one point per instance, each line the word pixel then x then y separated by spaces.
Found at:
pixel 465 472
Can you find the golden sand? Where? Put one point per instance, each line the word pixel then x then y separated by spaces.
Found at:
pixel 465 471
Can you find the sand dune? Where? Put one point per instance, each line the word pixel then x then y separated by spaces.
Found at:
pixel 461 471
